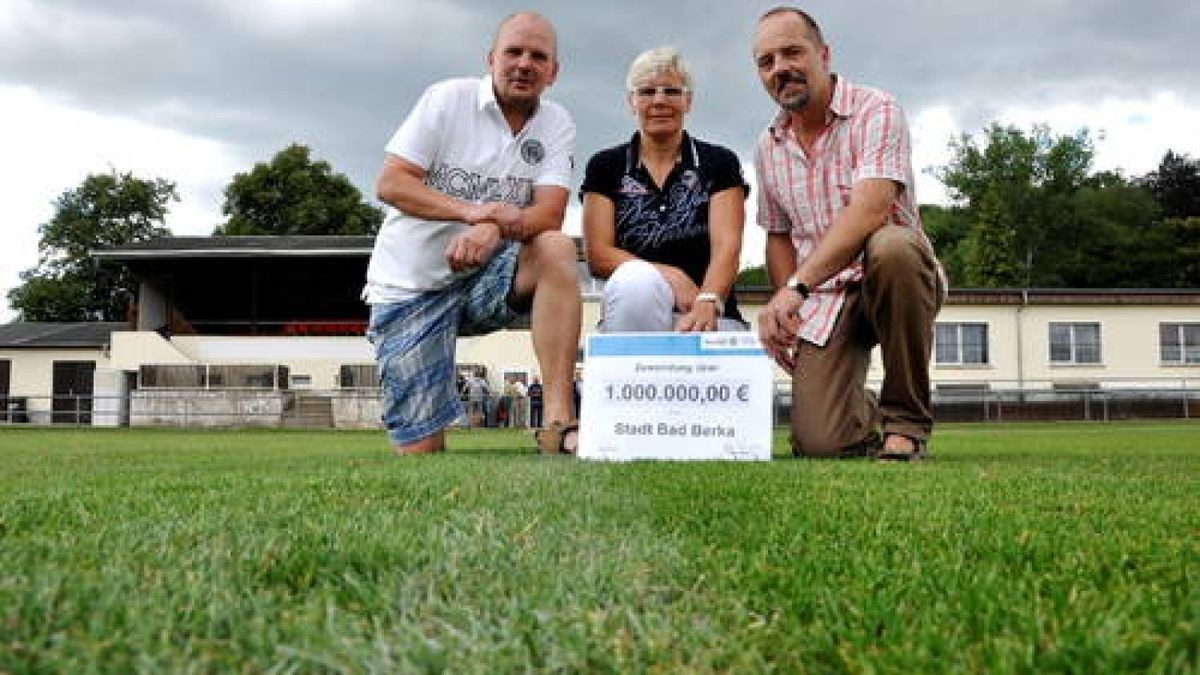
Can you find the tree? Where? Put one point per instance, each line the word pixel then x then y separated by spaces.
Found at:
pixel 105 210
pixel 1176 185
pixel 1167 255
pixel 753 276
pixel 1118 215
pixel 988 248
pixel 1024 184
pixel 294 195
pixel 947 228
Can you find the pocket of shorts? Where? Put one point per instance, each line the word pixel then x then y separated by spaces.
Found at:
pixel 381 316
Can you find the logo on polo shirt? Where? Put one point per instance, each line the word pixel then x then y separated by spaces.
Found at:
pixel 532 151
pixel 690 179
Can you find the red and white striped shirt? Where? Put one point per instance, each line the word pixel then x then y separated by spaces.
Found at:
pixel 866 137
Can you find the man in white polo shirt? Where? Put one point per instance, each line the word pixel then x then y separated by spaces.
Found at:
pixel 477 179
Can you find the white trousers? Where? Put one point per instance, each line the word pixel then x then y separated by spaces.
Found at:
pixel 638 299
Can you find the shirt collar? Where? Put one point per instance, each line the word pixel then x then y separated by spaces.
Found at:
pixel 487 98
pixel 689 155
pixel 487 95
pixel 840 107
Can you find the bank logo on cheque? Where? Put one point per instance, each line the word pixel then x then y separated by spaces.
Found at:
pixel 532 151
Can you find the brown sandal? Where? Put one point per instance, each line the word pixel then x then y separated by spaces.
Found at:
pixel 558 438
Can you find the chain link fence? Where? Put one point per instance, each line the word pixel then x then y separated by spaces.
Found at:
pixel 361 408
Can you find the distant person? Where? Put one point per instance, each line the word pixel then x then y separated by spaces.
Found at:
pixel 535 402
pixel 477 393
pixel 514 406
pixel 663 213
pixel 845 250
pixel 477 180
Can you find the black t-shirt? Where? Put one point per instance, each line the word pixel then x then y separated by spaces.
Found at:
pixel 670 225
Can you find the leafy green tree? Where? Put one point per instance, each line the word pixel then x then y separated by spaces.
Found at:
pixel 948 228
pixel 1168 254
pixel 753 276
pixel 1024 184
pixel 1117 215
pixel 1176 185
pixel 295 195
pixel 105 210
pixel 1185 233
pixel 988 249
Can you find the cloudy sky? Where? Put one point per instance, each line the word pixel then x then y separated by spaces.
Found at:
pixel 197 90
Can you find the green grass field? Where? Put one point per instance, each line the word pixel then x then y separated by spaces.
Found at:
pixel 1057 547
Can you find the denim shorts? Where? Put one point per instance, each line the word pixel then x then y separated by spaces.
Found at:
pixel 414 345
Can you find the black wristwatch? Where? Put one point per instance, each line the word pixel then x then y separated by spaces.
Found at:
pixel 800 287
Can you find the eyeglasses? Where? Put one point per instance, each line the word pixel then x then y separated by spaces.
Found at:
pixel 650 92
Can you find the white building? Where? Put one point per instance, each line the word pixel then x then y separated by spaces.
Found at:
pixel 263 330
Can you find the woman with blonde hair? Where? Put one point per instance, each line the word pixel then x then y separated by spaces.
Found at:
pixel 663 213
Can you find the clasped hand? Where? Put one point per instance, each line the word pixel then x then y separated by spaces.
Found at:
pixel 778 326
pixel 473 246
pixel 489 223
pixel 508 217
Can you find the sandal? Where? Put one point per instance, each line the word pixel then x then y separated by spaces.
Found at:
pixel 867 448
pixel 558 438
pixel 916 454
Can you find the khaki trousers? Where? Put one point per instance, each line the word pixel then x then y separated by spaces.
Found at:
pixel 894 307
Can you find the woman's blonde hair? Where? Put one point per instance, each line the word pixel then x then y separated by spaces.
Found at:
pixel 655 62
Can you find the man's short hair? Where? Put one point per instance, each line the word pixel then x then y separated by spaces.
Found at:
pixel 813 28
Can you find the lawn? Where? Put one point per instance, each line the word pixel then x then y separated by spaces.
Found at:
pixel 1056 547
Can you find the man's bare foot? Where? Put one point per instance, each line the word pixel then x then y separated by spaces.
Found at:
pixel 425 446
pixel 901 448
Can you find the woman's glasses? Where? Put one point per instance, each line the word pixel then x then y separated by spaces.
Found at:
pixel 651 92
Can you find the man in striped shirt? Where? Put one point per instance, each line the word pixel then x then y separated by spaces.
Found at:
pixel 845 250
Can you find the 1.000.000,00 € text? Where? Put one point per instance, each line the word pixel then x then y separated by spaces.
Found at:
pixel 677 392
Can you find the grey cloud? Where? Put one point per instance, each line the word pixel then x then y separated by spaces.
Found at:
pixel 342 85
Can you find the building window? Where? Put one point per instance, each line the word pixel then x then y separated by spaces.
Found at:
pixel 357 376
pixel 214 376
pixel 1179 343
pixel 1074 343
pixel 959 344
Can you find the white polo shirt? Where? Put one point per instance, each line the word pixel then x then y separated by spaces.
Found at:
pixel 457 133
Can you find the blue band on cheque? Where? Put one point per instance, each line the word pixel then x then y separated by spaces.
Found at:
pixel 674 344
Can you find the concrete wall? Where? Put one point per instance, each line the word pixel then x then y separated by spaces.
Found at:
pixel 357 409
pixel 200 408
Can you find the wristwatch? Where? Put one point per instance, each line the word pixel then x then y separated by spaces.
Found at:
pixel 800 287
pixel 715 299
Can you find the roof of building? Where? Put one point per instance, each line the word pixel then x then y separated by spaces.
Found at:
pixel 1074 296
pixel 263 246
pixel 237 247
pixel 1037 296
pixel 82 334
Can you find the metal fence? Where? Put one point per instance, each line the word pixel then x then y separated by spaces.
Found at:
pixel 361 408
